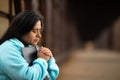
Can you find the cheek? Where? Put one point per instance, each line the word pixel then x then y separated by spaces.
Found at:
pixel 32 40
pixel 29 39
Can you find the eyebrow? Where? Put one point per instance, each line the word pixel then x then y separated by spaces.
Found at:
pixel 37 29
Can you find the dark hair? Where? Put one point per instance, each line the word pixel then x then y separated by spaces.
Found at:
pixel 22 24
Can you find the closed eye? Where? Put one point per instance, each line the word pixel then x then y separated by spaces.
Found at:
pixel 37 30
pixel 34 30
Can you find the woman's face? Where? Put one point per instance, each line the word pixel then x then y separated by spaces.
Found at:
pixel 34 35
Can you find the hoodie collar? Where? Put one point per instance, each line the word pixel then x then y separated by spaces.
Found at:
pixel 17 42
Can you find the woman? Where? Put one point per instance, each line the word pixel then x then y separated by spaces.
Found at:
pixel 25 30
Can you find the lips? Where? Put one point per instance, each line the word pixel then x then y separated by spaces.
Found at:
pixel 36 40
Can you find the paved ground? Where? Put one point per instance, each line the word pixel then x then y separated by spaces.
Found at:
pixel 91 65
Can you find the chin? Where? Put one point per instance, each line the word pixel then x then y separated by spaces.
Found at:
pixel 34 44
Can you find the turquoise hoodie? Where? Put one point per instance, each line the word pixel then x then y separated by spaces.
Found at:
pixel 14 67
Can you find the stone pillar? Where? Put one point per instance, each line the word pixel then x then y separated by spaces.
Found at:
pixel 116 35
pixel 48 24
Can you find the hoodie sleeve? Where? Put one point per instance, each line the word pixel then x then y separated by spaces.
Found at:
pixel 16 67
pixel 53 69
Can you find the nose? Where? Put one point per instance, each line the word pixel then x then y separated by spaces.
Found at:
pixel 39 35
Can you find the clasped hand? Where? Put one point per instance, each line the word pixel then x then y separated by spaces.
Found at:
pixel 44 53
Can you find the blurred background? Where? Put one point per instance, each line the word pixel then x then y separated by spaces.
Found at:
pixel 84 35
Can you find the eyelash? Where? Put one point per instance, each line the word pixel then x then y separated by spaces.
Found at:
pixel 35 31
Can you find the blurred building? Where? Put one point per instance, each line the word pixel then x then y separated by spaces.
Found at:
pixel 59 35
pixel 68 23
